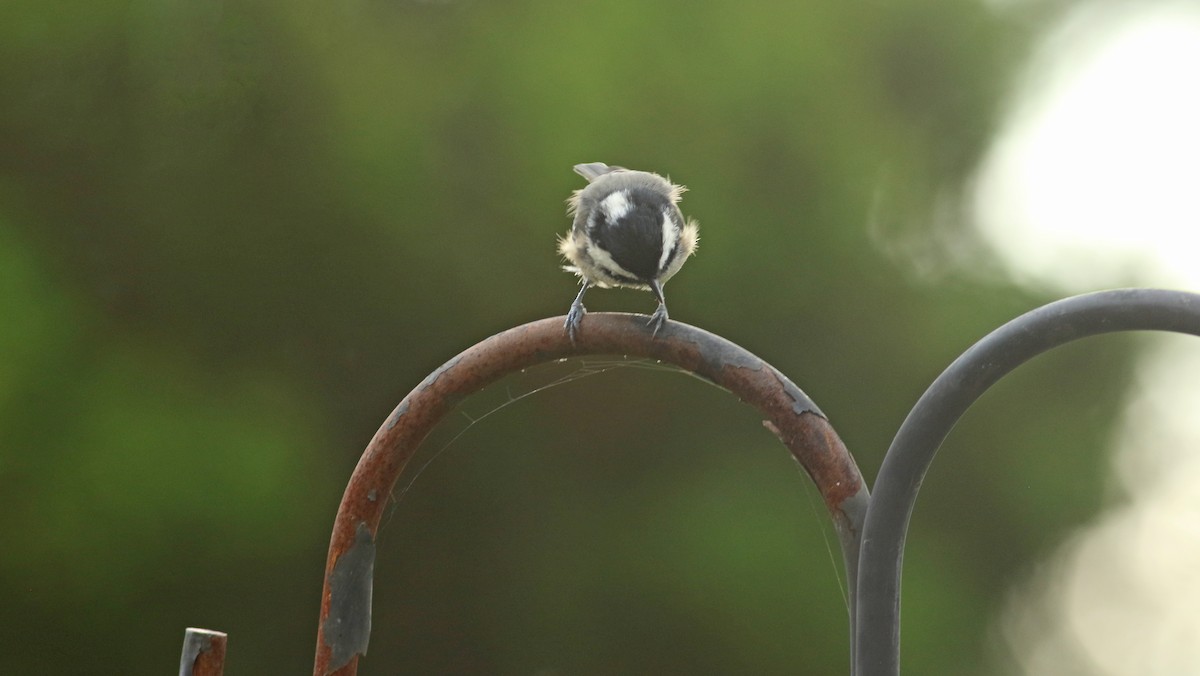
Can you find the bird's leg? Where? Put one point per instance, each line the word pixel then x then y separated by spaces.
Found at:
pixel 660 315
pixel 575 315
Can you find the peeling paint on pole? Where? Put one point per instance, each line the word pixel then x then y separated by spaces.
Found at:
pixel 347 628
pixel 203 653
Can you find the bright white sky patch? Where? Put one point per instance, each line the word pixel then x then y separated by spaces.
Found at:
pixel 1099 169
pixel 1094 183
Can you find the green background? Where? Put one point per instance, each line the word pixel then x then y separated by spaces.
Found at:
pixel 233 236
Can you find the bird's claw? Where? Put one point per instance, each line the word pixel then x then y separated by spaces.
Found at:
pixel 658 318
pixel 574 317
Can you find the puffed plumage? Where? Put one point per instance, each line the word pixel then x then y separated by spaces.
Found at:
pixel 627 231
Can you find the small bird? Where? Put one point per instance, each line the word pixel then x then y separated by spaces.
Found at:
pixel 628 231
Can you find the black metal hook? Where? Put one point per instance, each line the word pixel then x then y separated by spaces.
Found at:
pixel 877 622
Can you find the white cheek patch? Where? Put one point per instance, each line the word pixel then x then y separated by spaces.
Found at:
pixel 670 235
pixel 606 269
pixel 616 206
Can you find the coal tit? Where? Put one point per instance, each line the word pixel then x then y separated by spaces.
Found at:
pixel 628 231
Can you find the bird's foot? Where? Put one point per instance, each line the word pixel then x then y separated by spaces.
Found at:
pixel 658 318
pixel 574 317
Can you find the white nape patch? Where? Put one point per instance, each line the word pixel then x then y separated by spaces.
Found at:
pixel 616 205
pixel 670 235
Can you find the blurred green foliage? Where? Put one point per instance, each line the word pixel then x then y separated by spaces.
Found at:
pixel 233 235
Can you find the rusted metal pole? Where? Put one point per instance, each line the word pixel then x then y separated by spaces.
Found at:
pixel 203 653
pixel 877 647
pixel 345 620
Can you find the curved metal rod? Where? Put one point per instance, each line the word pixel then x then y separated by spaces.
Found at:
pixel 345 622
pixel 877 645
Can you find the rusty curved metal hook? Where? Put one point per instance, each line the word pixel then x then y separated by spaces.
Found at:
pixel 345 621
pixel 872 539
